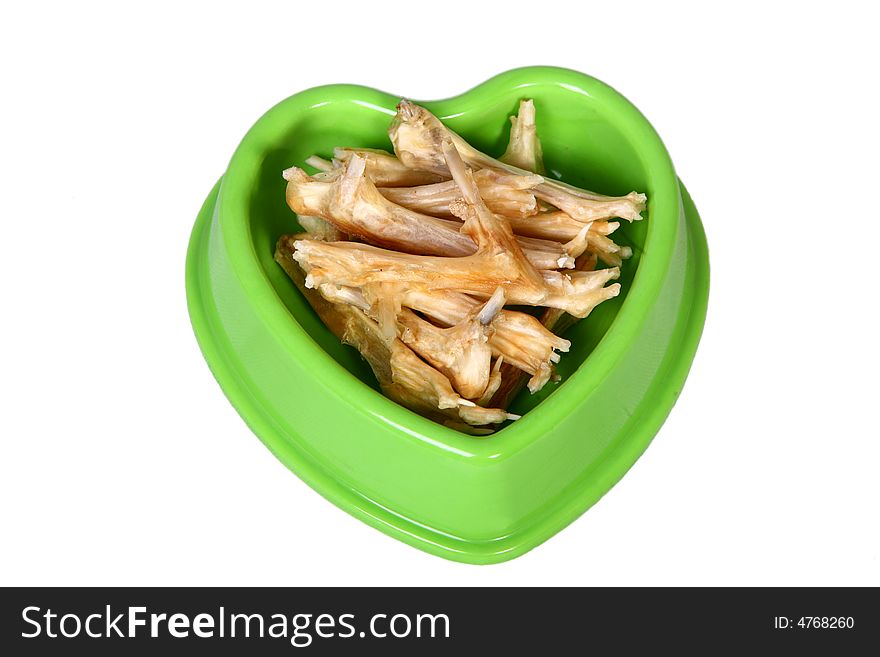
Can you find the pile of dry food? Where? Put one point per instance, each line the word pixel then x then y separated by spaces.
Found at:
pixel 418 260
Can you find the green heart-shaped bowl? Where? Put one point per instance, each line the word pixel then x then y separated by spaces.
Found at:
pixel 314 402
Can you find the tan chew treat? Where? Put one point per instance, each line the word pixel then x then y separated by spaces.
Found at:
pixel 461 352
pixel 356 265
pixel 402 375
pixel 524 148
pixel 412 257
pixel 499 261
pixel 418 138
pixel 518 338
pixel 553 320
pixel 320 229
pixel 504 193
pixel 384 169
pixel 353 204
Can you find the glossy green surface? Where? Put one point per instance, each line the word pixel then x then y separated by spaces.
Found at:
pixel 314 402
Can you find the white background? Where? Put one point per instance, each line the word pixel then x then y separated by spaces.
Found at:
pixel 122 462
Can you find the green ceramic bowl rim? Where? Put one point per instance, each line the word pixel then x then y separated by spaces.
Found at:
pixel 664 207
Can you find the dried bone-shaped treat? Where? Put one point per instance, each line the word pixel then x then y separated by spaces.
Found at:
pixel 607 250
pixel 586 206
pixel 418 138
pixel 383 305
pixel 553 320
pixel 384 169
pixel 557 225
pixel 320 163
pixel 524 148
pixel 499 261
pixel 356 265
pixel 402 375
pixel 423 389
pixel 420 387
pixel 560 226
pixel 505 194
pixel 462 351
pixel 518 338
pixel 353 204
pixel 320 229
pixel 343 320
pixel 418 312
pixel 494 383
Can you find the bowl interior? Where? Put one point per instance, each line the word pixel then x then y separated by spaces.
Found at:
pixel 583 144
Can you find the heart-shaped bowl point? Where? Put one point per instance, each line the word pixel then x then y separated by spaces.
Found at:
pixel 315 403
